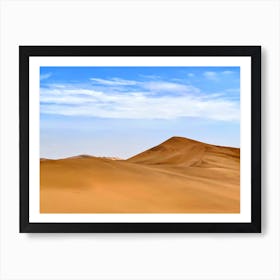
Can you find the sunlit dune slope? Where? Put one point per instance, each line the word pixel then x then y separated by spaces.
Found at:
pixel 186 152
pixel 178 176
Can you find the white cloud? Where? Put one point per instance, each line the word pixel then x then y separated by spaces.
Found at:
pixel 143 104
pixel 45 76
pixel 227 72
pixel 210 75
pixel 216 76
pixel 191 75
pixel 114 82
pixel 161 86
pixel 151 77
pixel 150 86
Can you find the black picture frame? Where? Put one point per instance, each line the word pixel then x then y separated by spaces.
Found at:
pixel 254 52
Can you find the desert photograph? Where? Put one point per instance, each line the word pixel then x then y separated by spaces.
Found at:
pixel 140 139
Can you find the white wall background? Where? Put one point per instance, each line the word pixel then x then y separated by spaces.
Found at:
pixel 146 256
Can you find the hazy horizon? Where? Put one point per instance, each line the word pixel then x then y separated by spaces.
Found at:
pixel 85 154
pixel 122 111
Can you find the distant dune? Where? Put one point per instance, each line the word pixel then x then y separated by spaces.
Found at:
pixel 178 176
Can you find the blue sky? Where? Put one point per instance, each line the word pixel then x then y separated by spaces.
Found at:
pixel 121 111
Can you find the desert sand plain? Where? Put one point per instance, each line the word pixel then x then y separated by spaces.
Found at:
pixel 179 175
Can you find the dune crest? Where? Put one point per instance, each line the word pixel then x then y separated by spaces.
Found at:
pixel 187 152
pixel 180 175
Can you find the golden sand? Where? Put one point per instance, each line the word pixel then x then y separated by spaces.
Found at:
pixel 178 176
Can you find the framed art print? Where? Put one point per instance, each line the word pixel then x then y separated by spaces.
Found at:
pixel 140 138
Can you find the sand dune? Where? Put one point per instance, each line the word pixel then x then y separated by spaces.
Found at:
pixel 178 176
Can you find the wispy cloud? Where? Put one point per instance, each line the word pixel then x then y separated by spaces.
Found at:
pixel 152 85
pixel 210 75
pixel 113 82
pixel 227 72
pixel 45 76
pixel 151 77
pixel 217 75
pixel 147 99
pixel 162 86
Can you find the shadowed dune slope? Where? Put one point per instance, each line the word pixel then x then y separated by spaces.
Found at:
pixel 178 176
